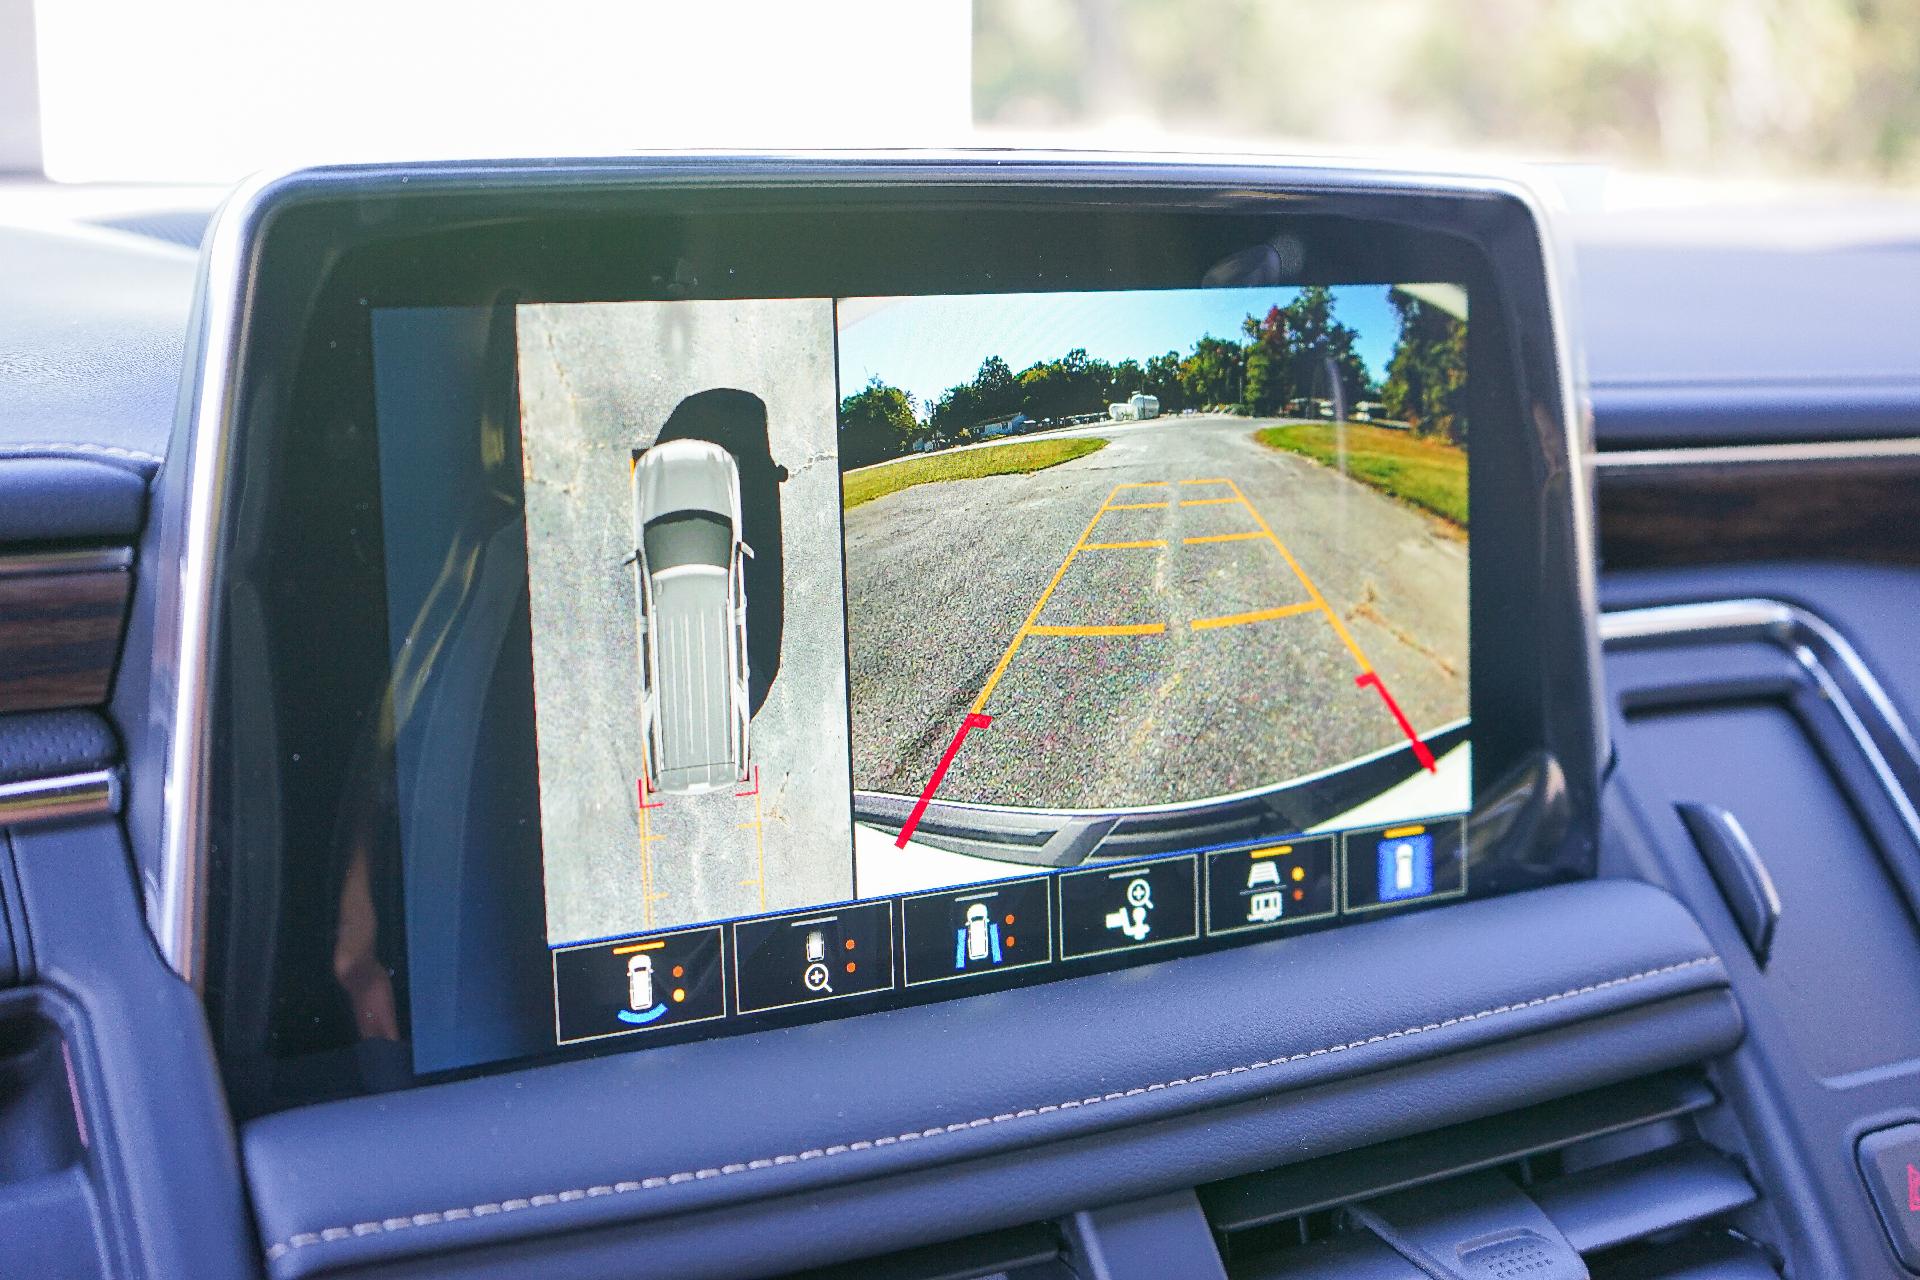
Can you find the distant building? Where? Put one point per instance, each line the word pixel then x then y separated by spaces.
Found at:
pixel 1013 426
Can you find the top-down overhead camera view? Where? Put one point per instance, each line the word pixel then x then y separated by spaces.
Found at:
pixel 978 640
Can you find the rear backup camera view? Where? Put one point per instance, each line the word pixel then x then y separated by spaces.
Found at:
pixel 1130 573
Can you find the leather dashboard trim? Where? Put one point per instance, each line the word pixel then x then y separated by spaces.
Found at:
pixel 697 1127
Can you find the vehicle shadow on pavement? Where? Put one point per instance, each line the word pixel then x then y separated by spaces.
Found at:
pixel 737 421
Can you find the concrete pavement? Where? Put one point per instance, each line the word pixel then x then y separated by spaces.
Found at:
pixel 1181 615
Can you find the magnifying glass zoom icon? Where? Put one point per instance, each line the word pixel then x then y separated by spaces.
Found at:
pixel 1140 894
pixel 815 978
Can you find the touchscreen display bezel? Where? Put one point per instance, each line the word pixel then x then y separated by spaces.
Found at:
pixel 294 793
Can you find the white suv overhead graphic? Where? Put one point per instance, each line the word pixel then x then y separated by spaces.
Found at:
pixel 688 564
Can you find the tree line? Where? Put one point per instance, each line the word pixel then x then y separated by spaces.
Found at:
pixel 1294 354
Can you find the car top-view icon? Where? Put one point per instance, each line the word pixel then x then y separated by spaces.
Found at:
pixel 688 569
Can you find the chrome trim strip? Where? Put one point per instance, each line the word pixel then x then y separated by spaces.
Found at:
pixel 79 795
pixel 1846 681
pixel 177 907
pixel 1758 455
pixel 39 564
pixel 1576 426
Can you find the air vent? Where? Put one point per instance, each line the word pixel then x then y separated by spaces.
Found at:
pixel 1021 1253
pixel 1621 1174
pixel 1614 1184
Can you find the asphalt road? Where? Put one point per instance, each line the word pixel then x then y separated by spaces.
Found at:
pixel 1234 669
pixel 597 381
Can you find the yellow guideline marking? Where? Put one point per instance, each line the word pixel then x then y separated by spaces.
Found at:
pixel 1206 502
pixel 1033 615
pixel 759 846
pixel 1394 833
pixel 1340 628
pixel 1213 480
pixel 1125 629
pixel 1125 546
pixel 644 946
pixel 1141 484
pixel 1258 615
pixel 1139 506
pixel 1249 536
pixel 1271 851
pixel 647 894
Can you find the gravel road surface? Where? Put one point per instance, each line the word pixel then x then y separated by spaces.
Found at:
pixel 1235 669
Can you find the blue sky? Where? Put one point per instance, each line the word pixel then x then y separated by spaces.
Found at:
pixel 926 345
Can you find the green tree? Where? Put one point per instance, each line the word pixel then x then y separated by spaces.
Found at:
pixel 1214 372
pixel 996 390
pixel 1162 382
pixel 1302 350
pixel 876 423
pixel 1426 382
pixel 1265 388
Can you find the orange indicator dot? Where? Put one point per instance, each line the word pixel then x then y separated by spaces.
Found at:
pixel 1011 943
pixel 851 966
pixel 1299 894
pixel 1009 919
pixel 679 971
pixel 849 944
pixel 679 994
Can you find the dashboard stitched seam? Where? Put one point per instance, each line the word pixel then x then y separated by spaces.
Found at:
pixel 381 1226
pixel 75 447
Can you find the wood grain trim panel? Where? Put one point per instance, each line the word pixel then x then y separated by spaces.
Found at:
pixel 1859 510
pixel 60 636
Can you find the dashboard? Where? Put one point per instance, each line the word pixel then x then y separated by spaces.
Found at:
pixel 978 715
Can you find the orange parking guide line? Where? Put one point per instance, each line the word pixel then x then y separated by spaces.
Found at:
pixel 1140 484
pixel 1205 502
pixel 759 840
pixel 1134 506
pixel 1250 536
pixel 1126 546
pixel 646 858
pixel 1257 615
pixel 1209 480
pixel 1123 629
pixel 1339 627
pixel 1033 615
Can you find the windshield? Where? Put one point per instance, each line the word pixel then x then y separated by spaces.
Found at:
pixel 207 91
pixel 688 538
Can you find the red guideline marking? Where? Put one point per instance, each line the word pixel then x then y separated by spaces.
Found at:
pixel 973 721
pixel 756 784
pixel 644 804
pixel 1420 752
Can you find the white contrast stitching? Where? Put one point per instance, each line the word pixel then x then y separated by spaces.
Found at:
pixel 302 1239
pixel 75 447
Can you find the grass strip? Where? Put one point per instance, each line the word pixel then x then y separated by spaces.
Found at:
pixel 1429 474
pixel 869 483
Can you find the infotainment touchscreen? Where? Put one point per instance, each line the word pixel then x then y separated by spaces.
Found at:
pixel 898 648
